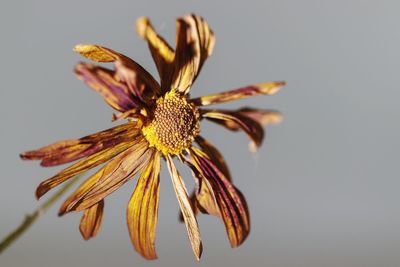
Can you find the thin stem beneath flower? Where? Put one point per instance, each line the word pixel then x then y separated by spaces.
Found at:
pixel 32 217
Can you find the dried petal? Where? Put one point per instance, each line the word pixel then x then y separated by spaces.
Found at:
pixel 262 116
pixel 186 208
pixel 80 167
pixel 102 80
pixel 215 156
pixel 241 93
pixel 161 51
pixel 142 210
pixel 109 178
pixel 231 203
pixel 194 44
pixel 140 83
pixel 71 150
pixel 91 220
pixel 234 120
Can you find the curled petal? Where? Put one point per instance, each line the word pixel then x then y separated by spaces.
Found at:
pixel 140 83
pixel 205 199
pixel 109 178
pixel 161 51
pixel 262 116
pixel 71 150
pixel 231 203
pixel 186 208
pixel 142 211
pixel 235 120
pixel 80 167
pixel 102 80
pixel 241 93
pixel 214 154
pixel 194 44
pixel 91 220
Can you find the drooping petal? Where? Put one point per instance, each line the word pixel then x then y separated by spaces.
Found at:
pixel 214 154
pixel 102 80
pixel 109 178
pixel 231 203
pixel 71 150
pixel 80 167
pixel 204 198
pixel 140 83
pixel 161 51
pixel 241 93
pixel 194 44
pixel 186 208
pixel 233 120
pixel 142 211
pixel 91 220
pixel 262 116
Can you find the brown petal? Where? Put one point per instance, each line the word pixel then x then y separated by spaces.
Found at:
pixel 140 83
pixel 241 93
pixel 214 154
pixel 102 80
pixel 80 167
pixel 91 220
pixel 71 150
pixel 186 208
pixel 262 116
pixel 161 51
pixel 194 44
pixel 231 203
pixel 142 210
pixel 109 178
pixel 234 120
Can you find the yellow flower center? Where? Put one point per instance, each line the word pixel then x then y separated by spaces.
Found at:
pixel 174 126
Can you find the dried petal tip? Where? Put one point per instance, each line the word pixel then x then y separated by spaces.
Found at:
pixel 141 26
pixel 95 52
pixel 271 88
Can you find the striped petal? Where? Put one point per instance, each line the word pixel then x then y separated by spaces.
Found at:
pixel 214 154
pixel 91 220
pixel 241 93
pixel 194 44
pixel 109 178
pixel 234 120
pixel 231 203
pixel 103 81
pixel 262 116
pixel 142 211
pixel 71 150
pixel 161 51
pixel 139 82
pixel 202 198
pixel 186 208
pixel 81 167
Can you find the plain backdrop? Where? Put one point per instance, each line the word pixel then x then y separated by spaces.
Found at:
pixel 322 191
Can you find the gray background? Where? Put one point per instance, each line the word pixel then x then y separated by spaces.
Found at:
pixel 322 191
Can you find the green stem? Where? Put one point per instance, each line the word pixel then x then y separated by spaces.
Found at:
pixel 31 218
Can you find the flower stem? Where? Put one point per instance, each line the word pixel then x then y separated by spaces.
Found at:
pixel 32 217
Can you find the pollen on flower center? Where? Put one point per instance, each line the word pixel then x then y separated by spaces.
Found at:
pixel 174 126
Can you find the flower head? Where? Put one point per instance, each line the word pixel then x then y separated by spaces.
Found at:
pixel 161 122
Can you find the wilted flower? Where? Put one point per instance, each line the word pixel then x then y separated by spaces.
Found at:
pixel 161 122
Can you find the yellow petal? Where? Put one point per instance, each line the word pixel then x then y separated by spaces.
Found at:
pixel 91 220
pixel 96 53
pixel 186 208
pixel 142 211
pixel 146 31
pixel 109 178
